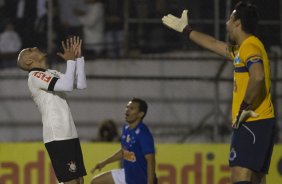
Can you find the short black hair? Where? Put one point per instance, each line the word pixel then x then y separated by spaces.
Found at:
pixel 248 15
pixel 143 107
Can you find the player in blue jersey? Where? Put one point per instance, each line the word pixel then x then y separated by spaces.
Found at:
pixel 137 151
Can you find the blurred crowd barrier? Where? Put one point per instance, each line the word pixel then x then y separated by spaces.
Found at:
pixel 189 99
pixel 176 163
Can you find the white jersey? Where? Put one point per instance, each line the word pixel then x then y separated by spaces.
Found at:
pixel 57 120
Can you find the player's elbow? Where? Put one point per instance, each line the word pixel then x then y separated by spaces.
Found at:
pixel 65 84
pixel 68 88
pixel 82 86
pixel 258 81
pixel 63 87
pixel 257 77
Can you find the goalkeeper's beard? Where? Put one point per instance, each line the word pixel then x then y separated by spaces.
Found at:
pixel 230 40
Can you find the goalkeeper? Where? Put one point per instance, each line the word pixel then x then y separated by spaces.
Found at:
pixel 253 119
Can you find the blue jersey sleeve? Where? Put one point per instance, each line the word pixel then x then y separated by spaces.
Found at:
pixel 147 142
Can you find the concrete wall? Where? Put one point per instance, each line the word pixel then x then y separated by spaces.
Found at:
pixel 175 106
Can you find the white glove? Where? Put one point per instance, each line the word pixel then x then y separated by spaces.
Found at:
pixel 178 24
pixel 242 116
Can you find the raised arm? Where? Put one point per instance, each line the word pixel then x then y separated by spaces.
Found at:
pixel 66 81
pixel 57 82
pixel 181 25
pixel 80 77
pixel 210 43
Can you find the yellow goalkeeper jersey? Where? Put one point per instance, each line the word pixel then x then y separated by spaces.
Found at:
pixel 250 51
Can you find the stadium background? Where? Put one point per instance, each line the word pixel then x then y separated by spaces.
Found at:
pixel 188 89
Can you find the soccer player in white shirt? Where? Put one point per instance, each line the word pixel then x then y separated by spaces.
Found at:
pixel 47 89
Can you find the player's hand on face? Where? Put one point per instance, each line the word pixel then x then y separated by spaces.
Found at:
pixel 173 22
pixel 68 50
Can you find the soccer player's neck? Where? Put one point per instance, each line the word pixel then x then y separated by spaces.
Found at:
pixel 133 124
pixel 242 37
pixel 38 65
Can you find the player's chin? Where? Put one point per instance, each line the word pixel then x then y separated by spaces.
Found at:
pixel 44 55
pixel 127 118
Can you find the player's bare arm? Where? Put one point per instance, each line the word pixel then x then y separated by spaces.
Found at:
pixel 66 81
pixel 255 84
pixel 254 90
pixel 151 162
pixel 113 158
pixel 182 25
pixel 219 47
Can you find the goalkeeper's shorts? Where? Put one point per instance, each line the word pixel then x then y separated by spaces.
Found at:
pixel 252 145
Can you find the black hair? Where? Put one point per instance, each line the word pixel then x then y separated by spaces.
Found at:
pixel 248 15
pixel 143 107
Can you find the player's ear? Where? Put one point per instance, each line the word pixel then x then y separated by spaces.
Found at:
pixel 28 62
pixel 141 114
pixel 237 22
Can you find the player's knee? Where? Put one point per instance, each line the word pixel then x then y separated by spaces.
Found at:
pixel 75 181
pixel 239 174
pixel 81 180
pixel 258 178
pixel 98 181
pixel 93 181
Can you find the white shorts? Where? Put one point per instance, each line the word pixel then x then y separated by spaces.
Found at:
pixel 118 176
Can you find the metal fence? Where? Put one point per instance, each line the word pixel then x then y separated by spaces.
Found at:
pixel 131 26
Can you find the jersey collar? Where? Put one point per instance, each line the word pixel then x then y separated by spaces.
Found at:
pixel 37 69
pixel 137 126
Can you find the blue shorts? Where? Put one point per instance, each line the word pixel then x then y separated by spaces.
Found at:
pixel 252 145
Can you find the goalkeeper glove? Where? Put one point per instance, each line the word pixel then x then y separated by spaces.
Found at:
pixel 178 24
pixel 244 113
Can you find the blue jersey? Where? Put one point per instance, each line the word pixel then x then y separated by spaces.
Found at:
pixel 136 143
